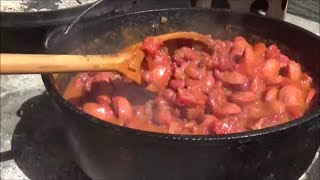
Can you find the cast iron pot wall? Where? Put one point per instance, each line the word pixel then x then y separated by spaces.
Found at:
pixel 106 151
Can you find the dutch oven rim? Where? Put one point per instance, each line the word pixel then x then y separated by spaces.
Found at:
pixel 178 137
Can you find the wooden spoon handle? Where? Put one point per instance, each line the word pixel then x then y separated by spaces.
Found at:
pixel 43 63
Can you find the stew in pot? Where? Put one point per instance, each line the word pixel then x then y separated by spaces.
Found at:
pixel 227 87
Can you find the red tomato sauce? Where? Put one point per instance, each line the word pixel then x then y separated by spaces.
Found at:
pixel 237 87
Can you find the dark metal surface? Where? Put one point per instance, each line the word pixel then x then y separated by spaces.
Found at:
pixel 62 16
pixel 107 151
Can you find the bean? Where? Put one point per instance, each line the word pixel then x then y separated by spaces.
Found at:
pixel 259 49
pixel 103 100
pixel 151 45
pixel 276 107
pixel 230 108
pixel 122 107
pixel 190 83
pixel 243 97
pixel 310 95
pixel 190 97
pixel 272 52
pixel 176 84
pixel 194 72
pixel 272 94
pixel 257 85
pixel 160 59
pixel 174 127
pixel 162 117
pixel 255 110
pixel 231 77
pixel 147 76
pixel 291 95
pixel 139 111
pixel 294 71
pixel 248 62
pixel 161 76
pixel 195 113
pixel 170 95
pixel 271 68
pixel 277 80
pixel 267 122
pixel 99 111
pixel 305 81
pixel 188 53
pixel 283 59
pixel 295 111
pixel 83 77
pixel 207 83
pixel 226 125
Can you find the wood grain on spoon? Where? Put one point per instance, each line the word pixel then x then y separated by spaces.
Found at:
pixel 127 61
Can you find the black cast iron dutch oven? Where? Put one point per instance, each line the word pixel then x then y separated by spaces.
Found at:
pixel 107 151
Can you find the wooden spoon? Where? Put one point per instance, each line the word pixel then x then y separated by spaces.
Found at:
pixel 128 61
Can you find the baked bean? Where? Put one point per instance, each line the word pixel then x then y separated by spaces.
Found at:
pixel 243 97
pixel 99 111
pixel 122 107
pixel 272 94
pixel 294 71
pixel 231 77
pixel 227 87
pixel 291 95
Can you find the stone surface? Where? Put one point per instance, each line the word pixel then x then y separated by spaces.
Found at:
pixel 32 139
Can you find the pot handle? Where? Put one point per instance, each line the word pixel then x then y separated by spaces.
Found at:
pixel 100 7
pixel 119 8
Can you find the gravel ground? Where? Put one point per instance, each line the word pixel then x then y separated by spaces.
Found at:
pixel 39 5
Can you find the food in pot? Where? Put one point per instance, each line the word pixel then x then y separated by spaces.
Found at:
pixel 220 88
